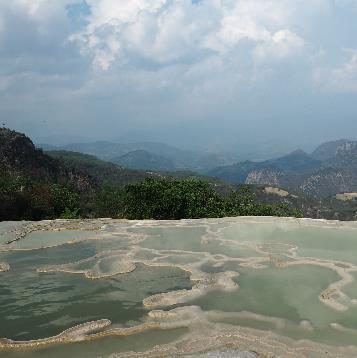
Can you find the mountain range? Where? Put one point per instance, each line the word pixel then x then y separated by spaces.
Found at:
pixel 149 156
pixel 144 160
pixel 330 169
pixel 307 182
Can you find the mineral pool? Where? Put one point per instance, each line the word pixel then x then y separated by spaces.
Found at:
pixel 233 287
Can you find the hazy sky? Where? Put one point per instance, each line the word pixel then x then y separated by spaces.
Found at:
pixel 219 74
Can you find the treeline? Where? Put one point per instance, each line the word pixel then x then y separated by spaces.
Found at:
pixel 26 199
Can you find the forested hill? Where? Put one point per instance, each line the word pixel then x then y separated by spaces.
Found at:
pixel 38 185
pixel 20 158
pixel 35 185
pixel 105 173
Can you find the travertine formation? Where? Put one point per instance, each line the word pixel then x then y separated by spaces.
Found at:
pixel 4 267
pixel 115 264
pixel 213 252
pixel 73 334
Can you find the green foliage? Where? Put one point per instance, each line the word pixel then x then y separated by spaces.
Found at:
pixel 70 214
pixel 22 198
pixel 63 200
pixel 25 199
pixel 104 173
pixel 165 199
pixel 108 203
pixel 191 199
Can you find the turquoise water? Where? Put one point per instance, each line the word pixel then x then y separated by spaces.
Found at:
pixel 104 347
pixel 37 305
pixel 239 271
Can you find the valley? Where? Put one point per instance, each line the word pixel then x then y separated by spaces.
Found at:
pixel 40 184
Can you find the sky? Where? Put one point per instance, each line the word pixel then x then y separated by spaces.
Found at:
pixel 218 75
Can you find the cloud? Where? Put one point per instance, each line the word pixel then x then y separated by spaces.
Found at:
pixel 283 44
pixel 42 18
pixel 168 31
pixel 149 63
pixel 34 48
pixel 341 79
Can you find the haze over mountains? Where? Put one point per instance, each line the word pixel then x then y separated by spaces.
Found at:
pixel 149 155
pixel 328 189
pixel 330 169
pixel 258 79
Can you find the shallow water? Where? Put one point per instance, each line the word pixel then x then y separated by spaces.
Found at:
pixel 104 347
pixel 167 285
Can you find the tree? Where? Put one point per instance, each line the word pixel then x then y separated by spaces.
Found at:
pixel 168 199
pixel 63 200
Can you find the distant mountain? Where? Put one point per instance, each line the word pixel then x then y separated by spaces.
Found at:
pixel 346 153
pixel 337 173
pixel 301 172
pixel 45 147
pixel 236 173
pixel 303 185
pixel 19 157
pixel 144 160
pixel 297 162
pixel 110 174
pixel 180 159
pixel 105 173
pixel 331 169
pixel 109 150
pixel 329 150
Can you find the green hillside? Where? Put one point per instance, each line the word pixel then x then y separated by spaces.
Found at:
pixel 105 173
